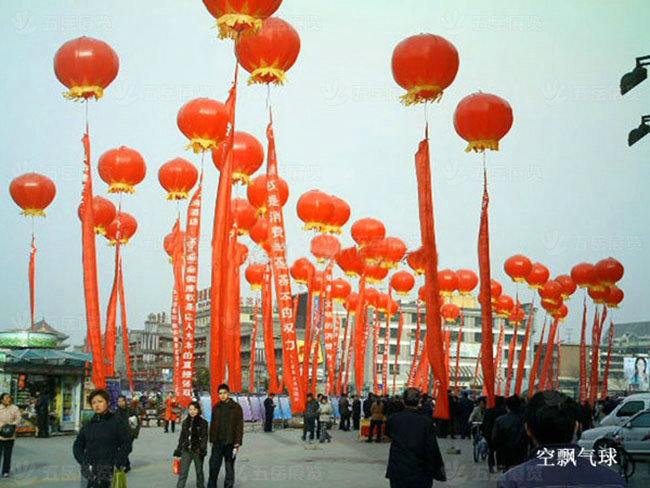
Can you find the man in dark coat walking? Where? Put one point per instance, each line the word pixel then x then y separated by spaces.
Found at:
pixel 509 436
pixel 356 412
pixel 42 414
pixel 226 435
pixel 269 407
pixel 465 408
pixel 414 459
pixel 131 419
pixel 491 415
pixel 344 410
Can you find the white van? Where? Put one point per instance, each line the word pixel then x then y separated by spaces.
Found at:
pixel 628 407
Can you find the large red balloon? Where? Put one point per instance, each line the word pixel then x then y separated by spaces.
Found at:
pixel 368 230
pixel 86 66
pixel 33 193
pixel 340 290
pixel 424 65
pixel 392 251
pixel 504 306
pixel 204 122
pixel 350 261
pixel 402 282
pixel 584 275
pixel 417 261
pixel 301 270
pixel 325 247
pixel 178 177
pixel 598 294
pixel 614 296
pixel 124 224
pixel 270 53
pixel 482 120
pixel 351 303
pixel 609 271
pixel 236 18
pixel 255 275
pixel 244 215
pixel 315 208
pixel 375 273
pixel 248 156
pixel 257 193
pixel 122 168
pixel 339 217
pixel 449 312
pixel 447 282
pixel 103 213
pixel 518 267
pixel 538 275
pixel 568 286
pixel 495 290
pixel 259 232
pixel 467 281
pixel 552 290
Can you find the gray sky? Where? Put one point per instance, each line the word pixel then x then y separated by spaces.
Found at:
pixel 564 188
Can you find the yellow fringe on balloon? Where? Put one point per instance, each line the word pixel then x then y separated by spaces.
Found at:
pixel 80 92
pixel 482 145
pixel 317 226
pixel 242 178
pixel 113 242
pixel 227 22
pixel 389 264
pixel 267 74
pixel 120 187
pixel 33 212
pixel 374 281
pixel 260 211
pixel 256 287
pixel 198 144
pixel 100 230
pixel 352 274
pixel 414 95
pixel 177 195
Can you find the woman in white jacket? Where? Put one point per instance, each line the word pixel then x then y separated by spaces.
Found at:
pixel 325 419
pixel 10 418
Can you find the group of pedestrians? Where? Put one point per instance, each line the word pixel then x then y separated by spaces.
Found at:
pixel 317 419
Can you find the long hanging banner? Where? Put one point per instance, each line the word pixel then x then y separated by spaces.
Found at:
pixel 306 348
pixel 251 376
pixel 511 358
pixel 414 364
pixel 548 356
pixel 583 354
pixel 329 334
pixel 603 393
pixel 228 325
pixel 478 361
pixel 384 365
pixel 595 343
pixel 524 349
pixel 30 273
pixel 400 327
pixel 125 327
pixel 189 293
pixel 267 323
pixel 559 362
pixel 281 275
pixel 535 368
pixel 176 337
pixel 236 313
pixel 485 297
pixel 375 352
pixel 341 352
pixel 110 337
pixel 498 368
pixel 89 258
pixel 178 304
pixel 359 339
pixel 220 230
pixel 348 356
pixel 434 340
pixel 460 341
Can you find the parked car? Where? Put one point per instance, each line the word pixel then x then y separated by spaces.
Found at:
pixel 630 434
pixel 626 409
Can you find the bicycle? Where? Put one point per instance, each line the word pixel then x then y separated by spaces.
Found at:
pixel 479 443
pixel 624 462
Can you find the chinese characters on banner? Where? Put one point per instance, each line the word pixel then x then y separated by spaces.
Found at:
pixel 277 254
pixel 176 335
pixel 328 329
pixel 189 293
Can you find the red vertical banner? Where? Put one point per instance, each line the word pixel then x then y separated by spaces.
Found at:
pixel 524 350
pixel 125 327
pixel 359 335
pixel 348 354
pixel 188 293
pixel 384 365
pixel 485 297
pixel 583 354
pixel 535 368
pixel 110 337
pixel 559 362
pixel 595 343
pixel 176 338
pixel 448 353
pixel 414 364
pixel 30 273
pixel 220 230
pixel 339 353
pixel 228 309
pixel 478 361
pixel 329 334
pixel 498 368
pixel 511 358
pixel 89 258
pixel 306 348
pixel 434 341
pixel 603 393
pixel 251 376
pixel 400 327
pixel 277 242
pixel 548 356
pixel 267 323
pixel 237 319
pixel 375 352
pixel 460 341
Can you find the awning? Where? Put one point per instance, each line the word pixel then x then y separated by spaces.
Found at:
pixel 46 355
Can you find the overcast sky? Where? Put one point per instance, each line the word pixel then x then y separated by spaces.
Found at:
pixel 564 188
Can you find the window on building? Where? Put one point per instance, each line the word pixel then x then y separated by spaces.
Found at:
pixel 392 349
pixel 393 333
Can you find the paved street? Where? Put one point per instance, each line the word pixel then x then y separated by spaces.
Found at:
pixel 279 458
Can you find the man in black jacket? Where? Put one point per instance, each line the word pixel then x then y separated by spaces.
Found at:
pixel 269 407
pixel 226 435
pixel 367 405
pixel 42 414
pixel 356 412
pixel 465 408
pixel 344 410
pixel 131 419
pixel 491 415
pixel 414 459
pixel 509 436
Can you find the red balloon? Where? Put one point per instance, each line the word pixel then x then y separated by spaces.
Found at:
pixel 416 260
pixel 325 246
pixel 270 53
pixel 86 66
pixel 467 281
pixel 392 251
pixel 315 209
pixel 584 275
pixel 402 282
pixel 424 65
pixel 373 252
pixel 551 290
pixel 350 261
pixel 482 120
pixel 122 168
pixel 447 282
pixel 257 193
pixel 301 270
pixel 124 224
pixel 550 305
pixel 340 290
pixel 103 213
pixel 504 306
pixel 238 17
pixel 244 215
pixel 614 296
pixel 168 242
pixel 495 290
pixel 33 193
pixel 340 215
pixel 241 253
pixel 351 303
pixel 255 275
pixel 609 271
pixel 518 267
pixel 204 122
pixel 318 283
pixel 560 313
pixel 538 276
pixel 371 296
pixel 517 316
pixel 375 273
pixel 568 286
pixel 259 233
pixel 248 156
pixel 598 294
pixel 450 312
pixel 365 231
pixel 178 177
